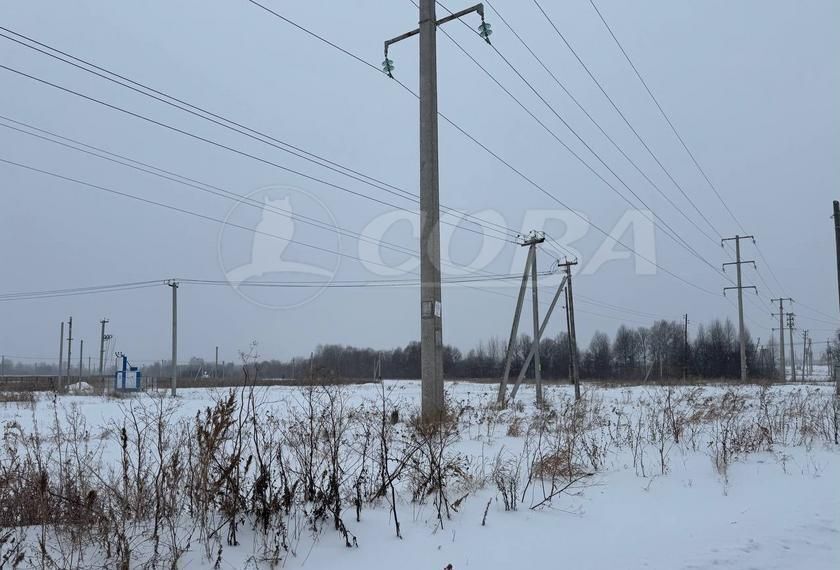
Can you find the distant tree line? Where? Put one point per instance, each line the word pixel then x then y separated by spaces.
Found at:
pixel 655 352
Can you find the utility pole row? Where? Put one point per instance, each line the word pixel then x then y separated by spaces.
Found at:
pixel 781 313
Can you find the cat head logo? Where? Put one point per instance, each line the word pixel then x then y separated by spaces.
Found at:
pixel 278 247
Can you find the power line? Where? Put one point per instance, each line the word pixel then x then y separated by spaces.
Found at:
pixel 668 230
pixel 209 188
pixel 184 211
pixel 682 140
pixel 600 128
pixel 237 127
pixel 498 157
pixel 23 296
pixel 666 117
pixel 624 118
pixel 226 147
pixel 571 96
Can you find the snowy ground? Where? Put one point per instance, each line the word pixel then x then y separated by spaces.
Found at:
pixel 777 507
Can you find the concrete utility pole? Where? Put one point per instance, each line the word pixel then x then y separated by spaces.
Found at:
pixel 836 217
pixel 790 323
pixel 216 365
pixel 502 397
pixel 431 321
pixel 102 335
pixel 570 302
pixel 804 352
pixel 685 349
pixel 2 365
pixel 60 356
pixel 543 326
pixel 569 336
pixel 536 316
pixel 174 285
pixel 782 333
pixel 81 354
pixel 737 263
pixel 69 346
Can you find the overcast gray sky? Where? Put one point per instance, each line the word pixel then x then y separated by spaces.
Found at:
pixel 752 86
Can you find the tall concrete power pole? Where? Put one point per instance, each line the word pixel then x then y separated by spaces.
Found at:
pixel 740 287
pixel 431 311
pixel 781 313
pixel 174 285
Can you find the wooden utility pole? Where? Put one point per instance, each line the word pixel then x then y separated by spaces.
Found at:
pixel 737 263
pixel 431 311
pixel 60 358
pixel 790 323
pixel 781 314
pixel 174 285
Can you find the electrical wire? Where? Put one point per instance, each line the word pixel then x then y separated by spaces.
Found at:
pixel 673 234
pixel 237 127
pixel 574 99
pixel 530 181
pixel 209 188
pixel 624 118
pixel 666 117
pixel 680 138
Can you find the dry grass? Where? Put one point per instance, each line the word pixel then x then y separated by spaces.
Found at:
pixel 17 397
pixel 557 466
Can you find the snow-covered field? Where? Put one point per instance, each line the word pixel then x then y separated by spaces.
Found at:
pixel 711 477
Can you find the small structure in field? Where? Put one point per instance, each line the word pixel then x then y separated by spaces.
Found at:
pixel 127 378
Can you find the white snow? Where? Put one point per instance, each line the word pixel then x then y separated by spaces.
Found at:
pixel 776 509
pixel 80 388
